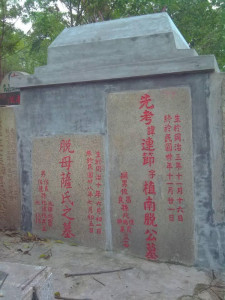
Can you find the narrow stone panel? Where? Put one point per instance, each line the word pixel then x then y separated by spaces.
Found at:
pixel 151 181
pixel 10 199
pixel 68 188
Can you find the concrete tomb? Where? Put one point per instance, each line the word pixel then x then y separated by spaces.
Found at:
pixel 120 143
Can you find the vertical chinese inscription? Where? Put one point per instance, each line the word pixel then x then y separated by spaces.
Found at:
pixel 125 221
pixel 173 157
pixel 94 191
pixel 148 160
pixel 150 138
pixel 74 168
pixel 66 185
pixel 10 200
pixel 43 215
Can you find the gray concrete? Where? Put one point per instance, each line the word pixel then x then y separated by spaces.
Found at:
pixel 73 73
pixel 122 39
pixel 121 29
pixel 79 107
pixel 216 140
pixel 145 281
pixel 24 282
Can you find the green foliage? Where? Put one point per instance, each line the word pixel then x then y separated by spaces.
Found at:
pixel 202 23
pixel 9 36
pixel 45 28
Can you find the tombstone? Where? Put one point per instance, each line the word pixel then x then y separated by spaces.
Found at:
pixel 68 188
pixel 120 143
pixel 10 195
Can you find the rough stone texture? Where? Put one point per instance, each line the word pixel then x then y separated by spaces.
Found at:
pixel 53 75
pixel 215 104
pixel 25 280
pixel 223 118
pixel 10 198
pixel 71 189
pixel 121 29
pixel 129 147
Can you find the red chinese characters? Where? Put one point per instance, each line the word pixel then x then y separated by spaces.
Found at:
pixel 94 191
pixel 66 185
pixel 174 167
pixel 44 217
pixel 149 189
pixel 124 200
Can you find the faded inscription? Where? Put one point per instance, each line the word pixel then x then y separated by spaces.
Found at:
pixel 10 200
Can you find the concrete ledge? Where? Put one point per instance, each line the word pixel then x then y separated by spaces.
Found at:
pixel 49 76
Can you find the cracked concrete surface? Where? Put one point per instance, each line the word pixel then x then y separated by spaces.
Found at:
pixel 146 280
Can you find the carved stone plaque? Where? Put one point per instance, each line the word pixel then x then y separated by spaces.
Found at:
pixel 10 199
pixel 151 182
pixel 68 188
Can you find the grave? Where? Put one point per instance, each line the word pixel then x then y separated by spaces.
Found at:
pixel 120 145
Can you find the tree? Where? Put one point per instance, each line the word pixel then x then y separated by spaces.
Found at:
pixel 90 11
pixel 9 35
pixel 25 52
pixel 202 23
pixel 47 22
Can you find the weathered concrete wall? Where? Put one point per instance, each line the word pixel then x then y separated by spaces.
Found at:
pixel 81 108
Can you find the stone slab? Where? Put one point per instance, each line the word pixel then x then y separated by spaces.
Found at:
pixel 10 198
pixel 53 74
pixel 26 282
pixel 151 181
pixel 68 188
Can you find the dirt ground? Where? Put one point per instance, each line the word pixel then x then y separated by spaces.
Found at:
pixel 144 280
